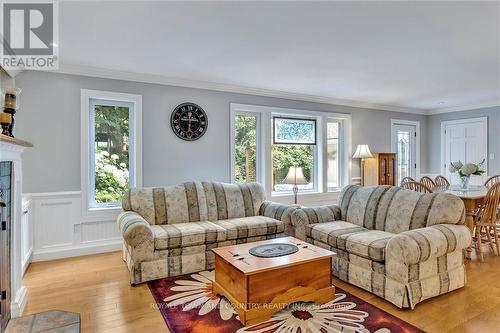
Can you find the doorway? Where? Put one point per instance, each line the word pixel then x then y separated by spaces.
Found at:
pixel 404 143
pixel 464 140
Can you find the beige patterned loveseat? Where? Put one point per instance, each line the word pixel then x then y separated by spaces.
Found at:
pixel 170 231
pixel 401 245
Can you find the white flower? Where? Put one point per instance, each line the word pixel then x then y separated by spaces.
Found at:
pixel 469 168
pixel 109 168
pixel 105 153
pixel 194 294
pixel 115 157
pixel 334 316
pixel 123 165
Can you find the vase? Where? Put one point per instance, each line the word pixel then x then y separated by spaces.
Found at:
pixel 464 182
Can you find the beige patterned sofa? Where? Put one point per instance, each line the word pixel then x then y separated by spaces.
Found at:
pixel 170 231
pixel 401 245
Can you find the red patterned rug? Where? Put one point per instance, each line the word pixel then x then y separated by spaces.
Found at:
pixel 189 306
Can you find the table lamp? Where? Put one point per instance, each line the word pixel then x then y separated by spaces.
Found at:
pixel 295 177
pixel 362 152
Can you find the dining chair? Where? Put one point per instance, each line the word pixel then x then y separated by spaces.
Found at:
pixel 416 186
pixel 441 181
pixel 427 181
pixel 485 221
pixel 407 179
pixel 492 180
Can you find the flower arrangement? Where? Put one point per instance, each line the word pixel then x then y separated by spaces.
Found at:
pixel 465 171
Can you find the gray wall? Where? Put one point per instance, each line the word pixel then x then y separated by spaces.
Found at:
pixel 50 118
pixel 434 129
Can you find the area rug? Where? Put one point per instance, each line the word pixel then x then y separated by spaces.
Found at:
pixel 189 306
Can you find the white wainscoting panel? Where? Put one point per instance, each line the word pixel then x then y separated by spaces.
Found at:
pixel 99 231
pixel 61 231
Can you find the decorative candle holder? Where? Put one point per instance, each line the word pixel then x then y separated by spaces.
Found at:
pixel 5 120
pixel 10 99
pixel 10 127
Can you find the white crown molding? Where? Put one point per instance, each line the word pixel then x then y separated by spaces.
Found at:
pixel 179 82
pixel 464 108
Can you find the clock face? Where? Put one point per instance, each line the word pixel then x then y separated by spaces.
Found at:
pixel 189 122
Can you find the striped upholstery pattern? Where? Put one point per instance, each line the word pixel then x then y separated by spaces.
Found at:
pixel 399 244
pixel 404 286
pixel 194 202
pixel 172 230
pixel 251 227
pixel 393 209
pixel 352 238
pixel 172 236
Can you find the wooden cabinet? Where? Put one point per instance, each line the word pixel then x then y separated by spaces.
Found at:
pixel 380 170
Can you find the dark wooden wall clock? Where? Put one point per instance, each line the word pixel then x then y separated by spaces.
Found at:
pixel 189 122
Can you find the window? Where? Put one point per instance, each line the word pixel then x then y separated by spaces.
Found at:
pixel 112 153
pixel 294 145
pixel 245 147
pixel 266 142
pixel 333 154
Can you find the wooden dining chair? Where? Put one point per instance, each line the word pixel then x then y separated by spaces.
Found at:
pixel 407 179
pixel 416 186
pixel 485 222
pixel 441 181
pixel 492 180
pixel 427 181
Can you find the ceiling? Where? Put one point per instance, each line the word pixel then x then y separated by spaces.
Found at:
pixel 414 56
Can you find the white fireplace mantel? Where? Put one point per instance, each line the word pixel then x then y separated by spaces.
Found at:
pixel 11 150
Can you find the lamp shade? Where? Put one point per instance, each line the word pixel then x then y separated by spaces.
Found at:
pixel 363 151
pixel 295 176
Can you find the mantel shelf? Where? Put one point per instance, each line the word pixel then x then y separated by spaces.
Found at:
pixel 19 142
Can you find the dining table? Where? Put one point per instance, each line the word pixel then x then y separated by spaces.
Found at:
pixel 472 197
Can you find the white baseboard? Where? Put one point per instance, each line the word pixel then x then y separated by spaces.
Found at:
pixel 77 250
pixel 18 304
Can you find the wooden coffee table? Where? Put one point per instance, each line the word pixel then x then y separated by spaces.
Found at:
pixel 258 287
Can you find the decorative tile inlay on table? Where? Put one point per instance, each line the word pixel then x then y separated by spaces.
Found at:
pixel 46 322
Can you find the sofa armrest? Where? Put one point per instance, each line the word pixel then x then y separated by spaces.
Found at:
pixel 305 216
pixel 134 228
pixel 418 245
pixel 279 212
pixel 137 235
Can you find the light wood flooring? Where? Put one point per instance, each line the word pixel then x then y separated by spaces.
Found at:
pixel 97 287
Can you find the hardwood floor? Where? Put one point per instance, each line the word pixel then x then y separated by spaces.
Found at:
pixel 97 287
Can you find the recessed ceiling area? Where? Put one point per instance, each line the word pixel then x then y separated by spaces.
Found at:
pixel 410 55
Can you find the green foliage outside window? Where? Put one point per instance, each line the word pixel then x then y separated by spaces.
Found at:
pixel 111 153
pixel 245 149
pixel 284 155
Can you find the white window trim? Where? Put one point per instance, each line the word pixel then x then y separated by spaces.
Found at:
pixel 265 142
pixel 415 123
pixel 91 214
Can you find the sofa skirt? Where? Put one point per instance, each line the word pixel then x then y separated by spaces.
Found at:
pixel 423 281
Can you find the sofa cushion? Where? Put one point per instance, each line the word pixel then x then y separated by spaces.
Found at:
pixel 368 244
pixel 251 226
pixel 328 232
pixel 352 238
pixel 171 236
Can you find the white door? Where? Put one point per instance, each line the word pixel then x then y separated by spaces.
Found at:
pixel 465 141
pixel 404 144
